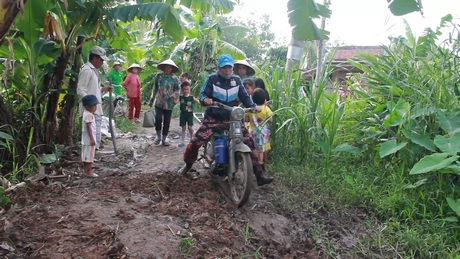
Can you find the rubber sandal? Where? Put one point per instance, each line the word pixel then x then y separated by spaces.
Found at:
pixel 94 175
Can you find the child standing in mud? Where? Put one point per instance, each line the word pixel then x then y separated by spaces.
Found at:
pixel 88 136
pixel 186 110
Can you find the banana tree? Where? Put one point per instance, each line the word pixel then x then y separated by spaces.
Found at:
pixel 202 44
pixel 67 27
pixel 301 14
pixel 8 12
pixel 196 52
pixel 95 20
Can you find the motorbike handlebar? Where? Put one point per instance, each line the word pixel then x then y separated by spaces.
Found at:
pixel 229 108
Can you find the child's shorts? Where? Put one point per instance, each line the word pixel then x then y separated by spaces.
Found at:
pixel 185 118
pixel 87 153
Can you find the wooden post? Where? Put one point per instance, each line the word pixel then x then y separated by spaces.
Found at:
pixel 112 133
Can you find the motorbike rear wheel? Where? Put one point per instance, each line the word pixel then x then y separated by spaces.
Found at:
pixel 241 185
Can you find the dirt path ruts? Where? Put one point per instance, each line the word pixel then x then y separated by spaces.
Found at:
pixel 139 209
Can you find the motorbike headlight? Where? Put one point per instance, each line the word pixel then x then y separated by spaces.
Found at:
pixel 237 113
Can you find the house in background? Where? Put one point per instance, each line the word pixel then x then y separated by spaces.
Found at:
pixel 340 62
pixel 341 65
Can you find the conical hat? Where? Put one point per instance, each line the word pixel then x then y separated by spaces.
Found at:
pixel 116 63
pixel 168 62
pixel 250 70
pixel 134 66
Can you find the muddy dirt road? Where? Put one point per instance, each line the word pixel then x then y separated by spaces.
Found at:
pixel 137 208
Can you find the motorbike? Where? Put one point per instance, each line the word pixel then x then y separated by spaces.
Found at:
pixel 228 158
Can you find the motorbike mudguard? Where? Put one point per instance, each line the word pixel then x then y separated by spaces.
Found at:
pixel 240 147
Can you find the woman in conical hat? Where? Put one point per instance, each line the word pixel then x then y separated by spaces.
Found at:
pixel 165 95
pixel 134 65
pixel 162 66
pixel 133 91
pixel 243 69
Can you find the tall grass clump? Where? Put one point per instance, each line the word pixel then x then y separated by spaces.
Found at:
pixel 390 148
pixel 306 118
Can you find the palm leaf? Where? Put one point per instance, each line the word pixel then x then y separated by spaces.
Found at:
pixel 165 13
pixel 217 6
pixel 238 31
pixel 402 7
pixel 300 13
pixel 182 47
pixel 228 48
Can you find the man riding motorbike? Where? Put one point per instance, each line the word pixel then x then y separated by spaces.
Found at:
pixel 222 87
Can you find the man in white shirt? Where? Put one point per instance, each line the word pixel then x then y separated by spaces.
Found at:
pixel 89 83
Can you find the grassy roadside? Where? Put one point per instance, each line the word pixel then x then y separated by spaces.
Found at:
pixel 398 222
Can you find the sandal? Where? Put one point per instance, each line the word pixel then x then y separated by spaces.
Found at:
pixel 94 175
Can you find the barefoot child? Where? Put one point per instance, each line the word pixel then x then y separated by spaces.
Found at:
pixel 260 130
pixel 88 136
pixel 186 110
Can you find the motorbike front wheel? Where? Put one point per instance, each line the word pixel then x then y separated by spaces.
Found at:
pixel 241 184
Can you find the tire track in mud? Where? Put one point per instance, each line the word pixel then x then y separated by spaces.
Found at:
pixel 139 209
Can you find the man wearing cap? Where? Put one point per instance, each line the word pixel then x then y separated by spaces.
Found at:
pixel 89 83
pixel 223 87
pixel 116 77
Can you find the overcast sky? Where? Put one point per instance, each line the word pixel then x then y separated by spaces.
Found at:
pixel 357 22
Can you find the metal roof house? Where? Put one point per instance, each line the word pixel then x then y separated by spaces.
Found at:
pixel 341 65
pixel 340 61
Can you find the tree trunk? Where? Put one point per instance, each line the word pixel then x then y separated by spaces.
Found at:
pixel 67 111
pixel 320 44
pixel 51 126
pixel 319 63
pixel 9 10
pixel 294 54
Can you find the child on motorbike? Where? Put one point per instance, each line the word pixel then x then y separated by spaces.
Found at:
pixel 222 87
pixel 258 124
pixel 249 85
pixel 259 83
pixel 186 110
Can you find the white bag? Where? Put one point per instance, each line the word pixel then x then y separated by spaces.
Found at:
pixel 105 127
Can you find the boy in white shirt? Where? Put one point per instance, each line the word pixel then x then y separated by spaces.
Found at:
pixel 88 135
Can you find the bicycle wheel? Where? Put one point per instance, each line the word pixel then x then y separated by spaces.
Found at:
pixel 121 109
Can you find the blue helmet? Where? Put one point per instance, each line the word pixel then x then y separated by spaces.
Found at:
pixel 225 60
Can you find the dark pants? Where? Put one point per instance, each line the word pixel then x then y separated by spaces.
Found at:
pixel 207 127
pixel 162 116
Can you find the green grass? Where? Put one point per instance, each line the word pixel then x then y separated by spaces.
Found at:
pixel 337 155
pixel 402 223
pixel 186 245
pixel 125 125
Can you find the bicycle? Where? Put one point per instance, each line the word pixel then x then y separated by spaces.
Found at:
pixel 121 108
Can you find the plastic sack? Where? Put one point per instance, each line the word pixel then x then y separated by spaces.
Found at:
pixel 149 119
pixel 105 129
